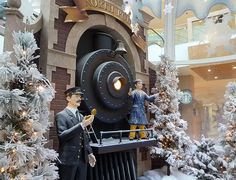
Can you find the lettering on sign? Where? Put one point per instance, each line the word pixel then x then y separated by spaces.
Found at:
pixel 77 13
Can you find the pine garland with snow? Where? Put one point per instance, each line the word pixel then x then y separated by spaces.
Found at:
pixel 174 143
pixel 228 131
pixel 25 95
pixel 207 162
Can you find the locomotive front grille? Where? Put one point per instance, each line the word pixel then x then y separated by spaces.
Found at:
pixel 114 166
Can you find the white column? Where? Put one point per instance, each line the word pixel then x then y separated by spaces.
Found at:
pixel 169 31
pixel 14 19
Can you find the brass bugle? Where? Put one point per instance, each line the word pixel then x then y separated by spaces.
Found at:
pixel 93 112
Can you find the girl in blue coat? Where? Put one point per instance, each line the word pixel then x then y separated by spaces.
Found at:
pixel 138 116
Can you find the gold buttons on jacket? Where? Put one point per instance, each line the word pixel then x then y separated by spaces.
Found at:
pixel 79 153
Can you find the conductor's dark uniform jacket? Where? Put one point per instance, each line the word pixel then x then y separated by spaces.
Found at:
pixel 73 142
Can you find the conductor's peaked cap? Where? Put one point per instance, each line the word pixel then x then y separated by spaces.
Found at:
pixel 73 90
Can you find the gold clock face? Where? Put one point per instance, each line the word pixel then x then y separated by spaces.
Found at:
pixel 186 97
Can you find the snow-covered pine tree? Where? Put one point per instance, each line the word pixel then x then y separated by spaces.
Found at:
pixel 228 131
pixel 173 142
pixel 24 115
pixel 207 162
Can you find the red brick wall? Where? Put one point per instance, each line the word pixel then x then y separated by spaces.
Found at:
pixel 152 81
pixel 63 28
pixel 65 2
pixel 152 78
pixel 37 52
pixel 142 57
pixel 61 80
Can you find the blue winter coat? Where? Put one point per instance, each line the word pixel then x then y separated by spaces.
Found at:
pixel 138 115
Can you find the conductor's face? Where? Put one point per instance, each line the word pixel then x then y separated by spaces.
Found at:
pixel 74 100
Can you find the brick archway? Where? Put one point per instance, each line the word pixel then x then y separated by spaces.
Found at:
pixel 109 25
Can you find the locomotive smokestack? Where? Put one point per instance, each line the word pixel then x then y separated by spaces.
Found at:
pixel 103 41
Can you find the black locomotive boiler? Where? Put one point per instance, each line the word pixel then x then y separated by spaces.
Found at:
pixel 105 77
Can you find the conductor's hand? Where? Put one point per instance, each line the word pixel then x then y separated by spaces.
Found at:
pixel 87 120
pixel 92 160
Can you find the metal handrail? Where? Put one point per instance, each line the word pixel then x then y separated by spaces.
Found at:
pixel 123 131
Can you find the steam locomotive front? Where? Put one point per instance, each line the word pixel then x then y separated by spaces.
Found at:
pixel 105 78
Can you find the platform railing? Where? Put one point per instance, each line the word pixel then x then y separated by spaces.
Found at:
pixel 120 132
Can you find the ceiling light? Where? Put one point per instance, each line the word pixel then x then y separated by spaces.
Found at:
pixel 209 70
pixel 216 77
pixel 234 67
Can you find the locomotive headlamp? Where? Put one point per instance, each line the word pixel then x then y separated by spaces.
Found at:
pixel 118 83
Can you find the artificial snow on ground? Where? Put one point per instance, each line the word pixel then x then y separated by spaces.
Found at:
pixel 160 174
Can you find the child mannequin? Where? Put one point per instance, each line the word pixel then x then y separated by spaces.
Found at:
pixel 138 116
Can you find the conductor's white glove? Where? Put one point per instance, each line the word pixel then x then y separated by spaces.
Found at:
pixel 92 160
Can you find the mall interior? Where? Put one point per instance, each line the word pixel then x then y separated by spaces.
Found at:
pixel 199 37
